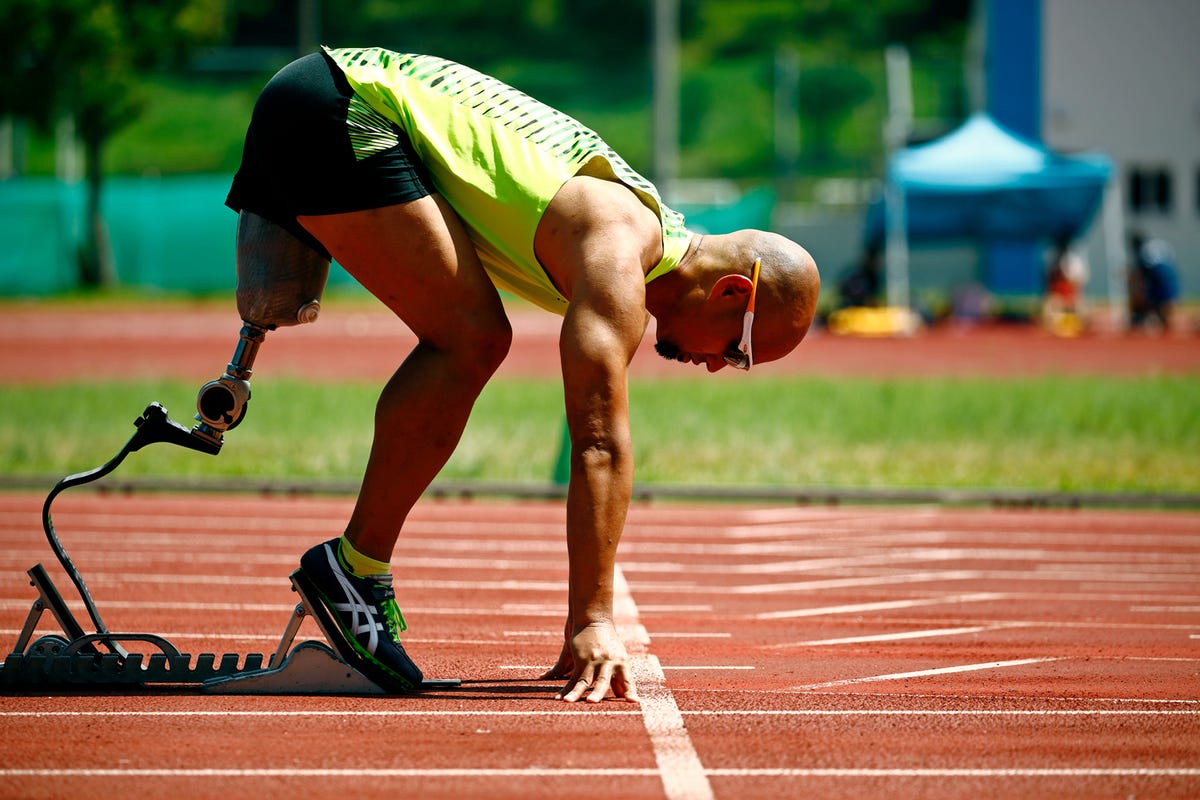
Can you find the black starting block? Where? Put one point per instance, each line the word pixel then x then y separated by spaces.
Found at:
pixel 77 659
pixel 111 660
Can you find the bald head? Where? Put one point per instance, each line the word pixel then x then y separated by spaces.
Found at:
pixel 700 305
pixel 787 287
pixel 787 294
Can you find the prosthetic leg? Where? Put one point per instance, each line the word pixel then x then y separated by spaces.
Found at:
pixel 280 283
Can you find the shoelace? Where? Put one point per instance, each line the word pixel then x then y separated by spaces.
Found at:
pixel 385 596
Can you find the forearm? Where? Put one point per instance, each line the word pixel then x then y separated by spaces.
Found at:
pixel 597 502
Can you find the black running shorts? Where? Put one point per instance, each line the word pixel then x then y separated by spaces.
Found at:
pixel 314 147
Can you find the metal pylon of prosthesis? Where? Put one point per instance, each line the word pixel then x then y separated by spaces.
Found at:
pixel 105 659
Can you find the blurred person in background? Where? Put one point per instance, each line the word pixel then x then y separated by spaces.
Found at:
pixel 1154 284
pixel 1062 309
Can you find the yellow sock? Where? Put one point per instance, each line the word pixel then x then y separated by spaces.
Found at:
pixel 359 564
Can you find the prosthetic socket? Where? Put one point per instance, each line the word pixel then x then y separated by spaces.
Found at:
pixel 280 283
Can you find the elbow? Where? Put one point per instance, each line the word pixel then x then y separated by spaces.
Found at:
pixel 602 455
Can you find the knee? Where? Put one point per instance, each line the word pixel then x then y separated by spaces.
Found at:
pixel 492 344
pixel 481 345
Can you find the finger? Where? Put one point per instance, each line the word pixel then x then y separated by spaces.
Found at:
pixel 600 687
pixel 623 686
pixel 560 670
pixel 573 691
pixel 576 687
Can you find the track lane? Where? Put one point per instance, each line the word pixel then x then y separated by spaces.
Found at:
pixel 913 614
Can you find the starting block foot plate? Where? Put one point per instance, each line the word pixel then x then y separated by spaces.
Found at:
pixel 311 668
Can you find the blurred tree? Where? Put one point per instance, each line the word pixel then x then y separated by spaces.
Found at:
pixel 484 33
pixel 591 59
pixel 828 94
pixel 838 46
pixel 85 59
pixel 729 27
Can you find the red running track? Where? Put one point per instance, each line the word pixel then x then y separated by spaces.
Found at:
pixel 781 652
pixel 365 342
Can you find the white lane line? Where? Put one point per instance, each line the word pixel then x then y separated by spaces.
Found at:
pixel 543 610
pixel 104 578
pixel 537 772
pixel 856 582
pixel 816 564
pixel 544 634
pixel 883 605
pixel 166 605
pixel 1050 624
pixel 321 713
pixel 924 673
pixel 692 635
pixel 533 772
pixel 287 608
pixel 1167 609
pixel 165 527
pixel 127 558
pixel 232 637
pixel 940 712
pixel 679 766
pixel 1165 563
pixel 941 697
pixel 883 637
pixel 1000 772
pixel 700 608
pixel 804 712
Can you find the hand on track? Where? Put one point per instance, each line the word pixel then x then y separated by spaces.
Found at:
pixel 594 661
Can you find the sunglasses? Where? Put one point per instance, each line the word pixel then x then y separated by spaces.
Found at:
pixel 742 357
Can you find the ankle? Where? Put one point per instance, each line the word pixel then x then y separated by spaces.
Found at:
pixel 358 563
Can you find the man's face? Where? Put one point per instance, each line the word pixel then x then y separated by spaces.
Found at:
pixel 696 349
pixel 702 337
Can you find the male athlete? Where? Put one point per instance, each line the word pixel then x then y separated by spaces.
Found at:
pixel 435 186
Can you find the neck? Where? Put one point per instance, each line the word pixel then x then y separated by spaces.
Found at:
pixel 663 291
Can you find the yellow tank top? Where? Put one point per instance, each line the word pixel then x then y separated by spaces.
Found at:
pixel 498 157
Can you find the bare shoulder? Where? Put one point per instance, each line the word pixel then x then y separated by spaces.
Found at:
pixel 585 196
pixel 591 220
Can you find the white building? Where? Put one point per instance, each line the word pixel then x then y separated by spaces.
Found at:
pixel 1123 77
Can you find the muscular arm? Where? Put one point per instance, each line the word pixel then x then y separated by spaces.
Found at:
pixel 595 350
pixel 599 244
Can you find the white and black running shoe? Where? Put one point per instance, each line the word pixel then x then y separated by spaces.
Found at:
pixel 365 613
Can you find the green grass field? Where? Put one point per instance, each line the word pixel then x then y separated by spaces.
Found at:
pixel 1064 433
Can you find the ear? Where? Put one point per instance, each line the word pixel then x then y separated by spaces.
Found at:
pixel 731 287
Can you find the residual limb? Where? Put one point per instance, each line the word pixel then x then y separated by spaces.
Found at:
pixel 280 283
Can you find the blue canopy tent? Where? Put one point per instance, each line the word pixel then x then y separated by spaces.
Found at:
pixel 983 183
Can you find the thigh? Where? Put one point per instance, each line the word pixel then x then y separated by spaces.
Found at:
pixel 417 259
pixel 315 147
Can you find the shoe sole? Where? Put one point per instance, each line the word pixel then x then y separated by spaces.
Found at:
pixel 349 649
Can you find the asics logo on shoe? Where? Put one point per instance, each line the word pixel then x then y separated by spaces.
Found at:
pixel 361 616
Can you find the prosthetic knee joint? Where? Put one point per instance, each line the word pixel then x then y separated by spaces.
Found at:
pixel 280 283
